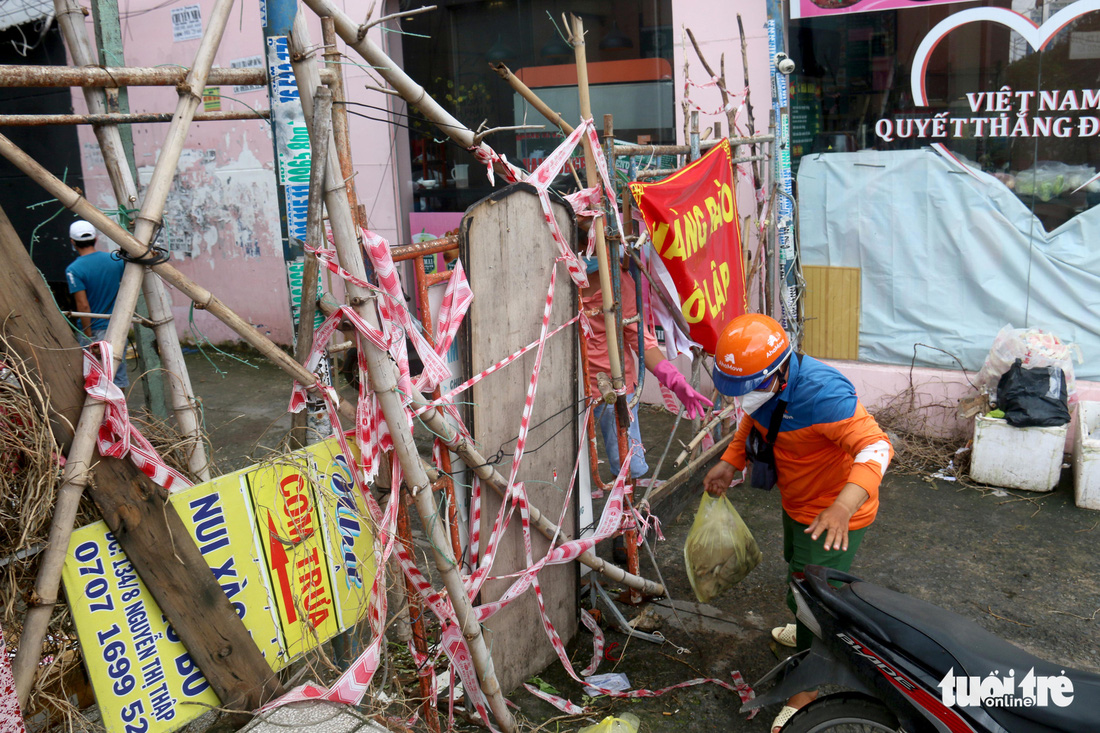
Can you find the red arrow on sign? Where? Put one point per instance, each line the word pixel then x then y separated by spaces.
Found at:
pixel 279 561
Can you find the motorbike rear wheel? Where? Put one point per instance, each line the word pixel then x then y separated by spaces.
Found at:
pixel 845 712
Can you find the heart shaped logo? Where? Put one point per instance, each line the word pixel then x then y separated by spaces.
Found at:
pixel 1037 36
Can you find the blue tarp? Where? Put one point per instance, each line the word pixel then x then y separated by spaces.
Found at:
pixel 947 258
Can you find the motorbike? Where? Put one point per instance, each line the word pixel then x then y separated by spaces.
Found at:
pixel 906 665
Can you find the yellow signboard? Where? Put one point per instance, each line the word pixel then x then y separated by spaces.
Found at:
pixel 291 547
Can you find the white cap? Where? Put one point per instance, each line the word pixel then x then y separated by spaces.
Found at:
pixel 82 231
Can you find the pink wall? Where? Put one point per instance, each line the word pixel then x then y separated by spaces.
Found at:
pixel 714 25
pixel 223 214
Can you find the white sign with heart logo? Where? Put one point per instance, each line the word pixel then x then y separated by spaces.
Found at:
pixel 1007 112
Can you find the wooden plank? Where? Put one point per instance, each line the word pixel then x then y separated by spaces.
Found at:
pixel 135 509
pixel 831 312
pixel 509 253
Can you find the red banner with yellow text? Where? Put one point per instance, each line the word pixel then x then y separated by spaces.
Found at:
pixel 692 221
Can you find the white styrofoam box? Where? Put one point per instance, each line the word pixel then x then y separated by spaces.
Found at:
pixel 1016 458
pixel 1086 456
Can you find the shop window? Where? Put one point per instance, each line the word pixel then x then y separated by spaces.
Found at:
pixel 449 51
pixel 1030 117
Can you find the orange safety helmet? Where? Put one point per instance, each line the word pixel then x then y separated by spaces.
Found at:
pixel 751 349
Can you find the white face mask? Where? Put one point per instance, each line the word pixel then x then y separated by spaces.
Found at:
pixel 754 400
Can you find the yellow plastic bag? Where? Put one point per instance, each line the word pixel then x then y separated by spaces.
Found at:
pixel 625 723
pixel 719 551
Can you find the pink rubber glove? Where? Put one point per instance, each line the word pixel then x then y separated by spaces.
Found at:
pixel 694 403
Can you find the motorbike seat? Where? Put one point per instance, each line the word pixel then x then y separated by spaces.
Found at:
pixel 941 640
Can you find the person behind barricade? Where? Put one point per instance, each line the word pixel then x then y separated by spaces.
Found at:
pixel 93 279
pixel 664 370
pixel 806 431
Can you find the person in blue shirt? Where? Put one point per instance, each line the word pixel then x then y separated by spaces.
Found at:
pixel 93 279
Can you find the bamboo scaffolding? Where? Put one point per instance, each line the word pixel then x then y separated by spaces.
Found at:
pixel 203 298
pixel 92 74
pixel 128 118
pixel 70 19
pixel 402 83
pixel 415 95
pixel 384 384
pixel 82 451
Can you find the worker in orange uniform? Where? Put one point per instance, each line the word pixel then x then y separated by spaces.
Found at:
pixel 805 430
pixel 664 370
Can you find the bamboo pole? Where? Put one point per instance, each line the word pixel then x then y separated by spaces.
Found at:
pixel 321 132
pixel 678 479
pixel 126 118
pixel 422 249
pixel 82 451
pixel 402 83
pixel 148 222
pixel 384 384
pixel 340 132
pixel 533 99
pixel 78 468
pixel 757 182
pixel 683 149
pixel 94 75
pixel 592 178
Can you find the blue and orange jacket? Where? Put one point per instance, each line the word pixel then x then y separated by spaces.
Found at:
pixel 825 441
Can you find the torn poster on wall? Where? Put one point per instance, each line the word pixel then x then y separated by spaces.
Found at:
pixel 186 23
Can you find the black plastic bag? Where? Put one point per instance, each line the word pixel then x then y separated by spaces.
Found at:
pixel 1033 397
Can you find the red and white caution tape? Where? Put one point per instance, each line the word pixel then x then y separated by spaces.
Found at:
pixel 567 707
pixel 525 578
pixel 745 692
pixel 456 301
pixel 117 436
pixel 712 84
pixel 487 157
pixel 393 311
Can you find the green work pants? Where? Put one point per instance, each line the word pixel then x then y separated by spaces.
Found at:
pixel 799 551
